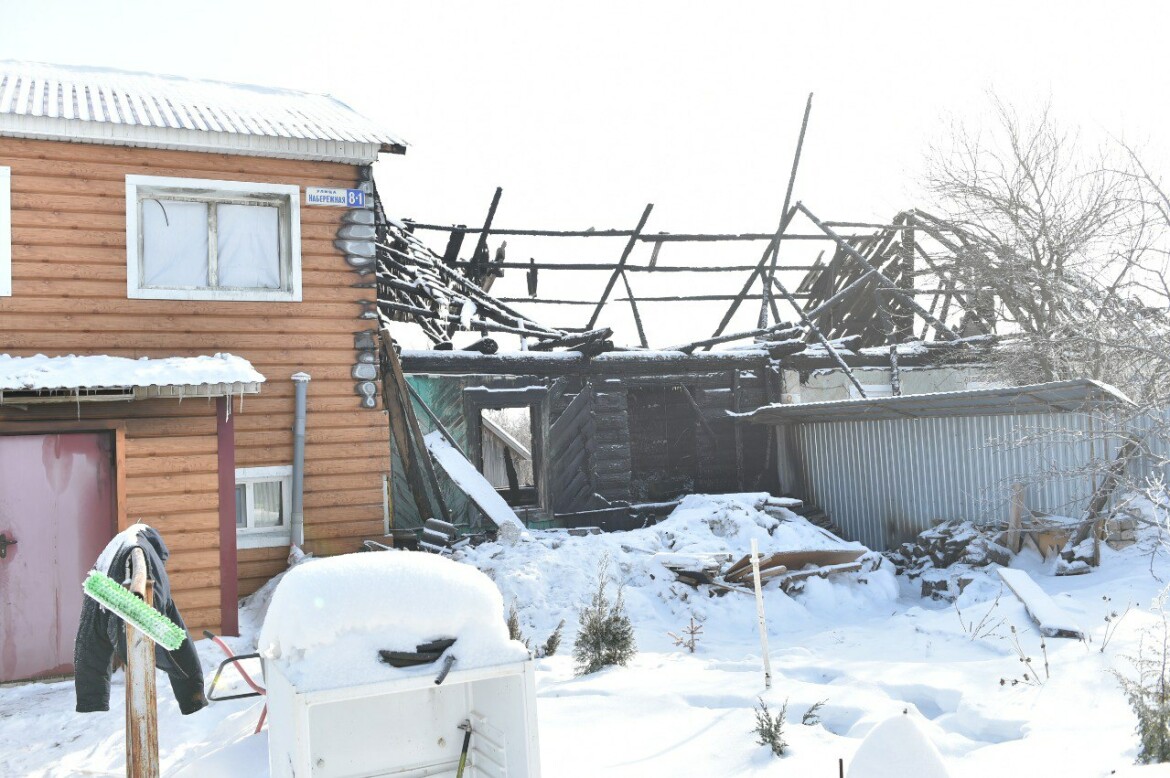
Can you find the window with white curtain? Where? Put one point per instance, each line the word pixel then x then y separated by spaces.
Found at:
pixel 5 232
pixel 263 506
pixel 194 239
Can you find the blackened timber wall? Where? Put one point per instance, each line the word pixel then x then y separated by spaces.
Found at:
pixel 596 426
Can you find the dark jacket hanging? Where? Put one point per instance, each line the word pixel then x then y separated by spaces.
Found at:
pixel 100 633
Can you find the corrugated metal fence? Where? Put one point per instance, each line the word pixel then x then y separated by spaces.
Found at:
pixel 884 481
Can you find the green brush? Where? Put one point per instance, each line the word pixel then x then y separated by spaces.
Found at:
pixel 143 617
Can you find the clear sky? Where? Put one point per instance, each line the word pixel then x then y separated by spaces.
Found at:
pixel 585 112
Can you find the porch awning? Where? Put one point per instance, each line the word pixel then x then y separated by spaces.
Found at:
pixel 41 379
pixel 1080 395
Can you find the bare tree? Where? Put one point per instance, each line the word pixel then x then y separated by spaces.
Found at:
pixel 1060 245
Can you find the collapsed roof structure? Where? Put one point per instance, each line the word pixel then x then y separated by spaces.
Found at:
pixel 615 431
pixel 614 427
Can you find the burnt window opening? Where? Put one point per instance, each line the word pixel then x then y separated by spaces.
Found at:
pixel 663 442
pixel 506 452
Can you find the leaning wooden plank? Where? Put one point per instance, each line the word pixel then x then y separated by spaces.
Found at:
pixel 472 482
pixel 768 564
pixel 792 580
pixel 767 575
pixel 796 560
pixel 1053 621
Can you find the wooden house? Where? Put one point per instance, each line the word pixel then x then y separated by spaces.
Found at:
pixel 218 238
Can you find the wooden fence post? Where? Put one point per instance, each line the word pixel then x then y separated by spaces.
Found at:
pixel 141 699
pixel 760 615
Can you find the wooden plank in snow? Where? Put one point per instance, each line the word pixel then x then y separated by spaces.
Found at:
pixel 1053 621
pixel 472 482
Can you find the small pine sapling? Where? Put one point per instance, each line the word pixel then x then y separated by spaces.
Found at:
pixel 554 641
pixel 812 716
pixel 770 729
pixel 690 636
pixel 606 636
pixel 514 632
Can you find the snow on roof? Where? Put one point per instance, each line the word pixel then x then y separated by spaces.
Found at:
pixel 1079 395
pixel 102 105
pixel 329 618
pixel 42 373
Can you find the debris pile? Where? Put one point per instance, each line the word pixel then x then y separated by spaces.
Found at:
pixel 675 569
pixel 939 556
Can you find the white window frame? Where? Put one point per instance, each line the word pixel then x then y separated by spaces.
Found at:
pixel 5 232
pixel 266 537
pixel 288 199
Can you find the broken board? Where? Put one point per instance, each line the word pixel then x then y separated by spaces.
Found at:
pixel 1053 621
pixel 473 484
pixel 792 560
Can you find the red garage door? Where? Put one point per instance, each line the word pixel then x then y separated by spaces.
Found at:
pixel 57 504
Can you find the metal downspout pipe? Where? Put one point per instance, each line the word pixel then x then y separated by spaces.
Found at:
pixel 301 385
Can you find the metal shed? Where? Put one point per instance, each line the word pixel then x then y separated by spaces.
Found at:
pixel 888 468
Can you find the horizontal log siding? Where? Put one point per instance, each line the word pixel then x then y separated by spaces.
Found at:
pixel 69 296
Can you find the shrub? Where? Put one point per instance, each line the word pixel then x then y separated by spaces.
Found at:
pixel 812 716
pixel 1149 696
pixel 514 631
pixel 606 636
pixel 554 640
pixel 770 729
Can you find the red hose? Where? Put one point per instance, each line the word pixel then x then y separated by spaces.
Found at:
pixel 243 673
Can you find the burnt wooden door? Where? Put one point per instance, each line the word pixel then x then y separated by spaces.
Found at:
pixel 570 439
pixel 57 502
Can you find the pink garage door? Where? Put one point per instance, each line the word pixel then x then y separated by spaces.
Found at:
pixel 57 503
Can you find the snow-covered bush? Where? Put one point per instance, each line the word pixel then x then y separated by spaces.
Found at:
pixel 1149 696
pixel 770 729
pixel 605 636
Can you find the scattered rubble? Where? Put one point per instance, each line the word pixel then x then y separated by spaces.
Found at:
pixel 940 556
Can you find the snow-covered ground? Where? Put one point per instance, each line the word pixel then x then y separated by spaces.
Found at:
pixel 866 645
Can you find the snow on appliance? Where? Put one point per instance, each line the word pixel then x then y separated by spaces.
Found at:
pixel 395 663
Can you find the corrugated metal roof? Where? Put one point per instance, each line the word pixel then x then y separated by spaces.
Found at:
pixel 99 372
pixel 41 100
pixel 1078 395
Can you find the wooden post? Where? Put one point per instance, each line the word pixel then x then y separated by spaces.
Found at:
pixel 1015 518
pixel 141 705
pixel 767 255
pixel 479 256
pixel 634 308
pixel 399 400
pixel 400 432
pixel 905 327
pixel 620 266
pixel 760 615
pixel 737 429
pixel 763 320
